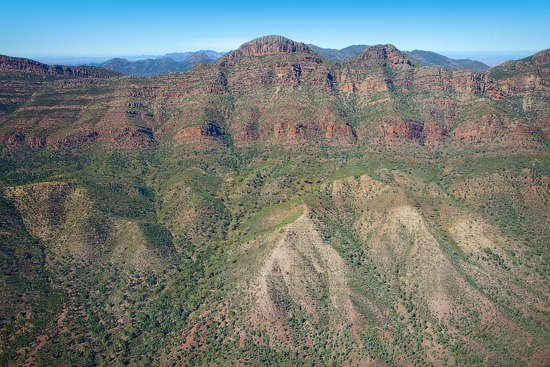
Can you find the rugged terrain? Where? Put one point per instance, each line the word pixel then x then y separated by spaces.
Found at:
pixel 178 62
pixel 276 207
pixel 424 58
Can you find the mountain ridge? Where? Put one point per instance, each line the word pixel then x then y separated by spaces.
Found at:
pixel 15 64
pixel 424 58
pixel 181 56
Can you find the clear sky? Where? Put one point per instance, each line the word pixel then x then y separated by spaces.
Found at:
pixel 117 28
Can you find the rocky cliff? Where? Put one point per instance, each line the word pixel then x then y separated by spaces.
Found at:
pixel 383 82
pixel 269 45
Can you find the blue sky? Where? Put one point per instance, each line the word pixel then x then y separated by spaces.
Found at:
pixel 117 28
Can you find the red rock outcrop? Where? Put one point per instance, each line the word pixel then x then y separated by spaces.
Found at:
pixel 342 135
pixel 270 45
pixel 386 55
pixel 22 65
pixel 288 95
pixel 199 132
pixel 334 130
pixel 485 127
pixel 523 84
pixel 400 128
pixel 280 129
pixel 32 141
pixel 526 77
pixel 433 134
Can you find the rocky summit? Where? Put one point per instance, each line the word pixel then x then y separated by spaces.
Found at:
pixel 270 45
pixel 274 207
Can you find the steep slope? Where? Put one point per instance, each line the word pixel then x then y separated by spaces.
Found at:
pixel 527 77
pixel 274 206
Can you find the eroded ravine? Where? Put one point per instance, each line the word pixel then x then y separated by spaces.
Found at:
pixel 304 270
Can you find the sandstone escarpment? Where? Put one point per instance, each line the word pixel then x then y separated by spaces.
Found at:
pixel 523 85
pixel 288 96
pixel 387 55
pixel 493 126
pixel 15 64
pixel 528 77
pixel 269 45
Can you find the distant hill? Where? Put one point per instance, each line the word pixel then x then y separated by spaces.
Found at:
pixel 152 67
pixel 181 56
pixel 424 58
pixel 16 64
pixel 428 58
pixel 339 55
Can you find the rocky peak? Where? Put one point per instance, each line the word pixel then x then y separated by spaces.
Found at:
pixel 271 45
pixel 198 57
pixel 542 57
pixel 386 55
pixel 113 64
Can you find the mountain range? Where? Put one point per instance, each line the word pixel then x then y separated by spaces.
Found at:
pixel 182 56
pixel 150 67
pixel 276 207
pixel 175 62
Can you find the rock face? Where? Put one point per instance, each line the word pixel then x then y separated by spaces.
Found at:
pixel 15 64
pixel 527 77
pixel 386 55
pixel 270 45
pixel 273 85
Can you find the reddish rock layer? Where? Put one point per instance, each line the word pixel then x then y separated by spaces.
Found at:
pixel 270 45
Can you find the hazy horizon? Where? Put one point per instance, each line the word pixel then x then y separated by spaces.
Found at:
pixel 491 59
pixel 106 29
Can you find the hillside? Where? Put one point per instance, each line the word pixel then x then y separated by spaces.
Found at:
pixel 277 207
